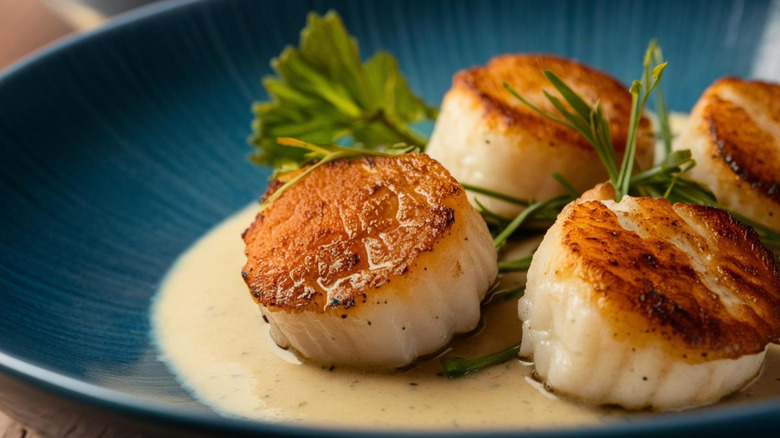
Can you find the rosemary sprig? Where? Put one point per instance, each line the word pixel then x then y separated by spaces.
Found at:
pixel 591 123
pixel 664 180
pixel 586 120
pixel 640 91
pixel 320 154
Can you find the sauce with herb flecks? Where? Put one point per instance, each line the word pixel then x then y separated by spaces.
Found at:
pixel 213 337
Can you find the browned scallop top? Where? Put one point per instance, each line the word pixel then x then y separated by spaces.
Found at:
pixel 688 278
pixel 346 229
pixel 742 118
pixel 524 74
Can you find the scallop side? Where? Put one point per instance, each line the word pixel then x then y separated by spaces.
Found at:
pixel 734 136
pixel 370 262
pixel 486 137
pixel 646 304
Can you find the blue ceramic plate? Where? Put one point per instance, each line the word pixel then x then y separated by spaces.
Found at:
pixel 119 148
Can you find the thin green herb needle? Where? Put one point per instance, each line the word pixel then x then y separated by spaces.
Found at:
pixel 521 264
pixel 566 184
pixel 500 240
pixel 664 180
pixel 497 195
pixel 661 110
pixel 459 367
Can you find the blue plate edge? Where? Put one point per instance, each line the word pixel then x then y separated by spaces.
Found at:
pixel 93 394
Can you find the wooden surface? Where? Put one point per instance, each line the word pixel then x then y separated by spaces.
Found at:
pixel 12 429
pixel 25 26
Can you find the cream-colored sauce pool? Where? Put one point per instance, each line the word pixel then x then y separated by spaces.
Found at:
pixel 212 335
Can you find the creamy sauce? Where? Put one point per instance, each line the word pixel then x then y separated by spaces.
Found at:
pixel 212 335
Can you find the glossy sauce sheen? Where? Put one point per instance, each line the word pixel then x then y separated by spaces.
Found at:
pixel 212 335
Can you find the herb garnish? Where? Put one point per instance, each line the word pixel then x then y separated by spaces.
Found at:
pixel 664 180
pixel 324 93
pixel 664 130
pixel 320 154
pixel 459 367
pixel 590 122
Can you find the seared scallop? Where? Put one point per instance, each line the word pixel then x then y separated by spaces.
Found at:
pixel 646 304
pixel 486 137
pixel 370 262
pixel 734 136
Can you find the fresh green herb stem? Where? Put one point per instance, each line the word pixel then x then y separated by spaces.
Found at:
pixel 521 264
pixel 584 119
pixel 566 184
pixel 640 92
pixel 459 367
pixel 500 240
pixel 661 110
pixel 497 195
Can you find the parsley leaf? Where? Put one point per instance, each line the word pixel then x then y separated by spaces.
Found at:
pixel 324 93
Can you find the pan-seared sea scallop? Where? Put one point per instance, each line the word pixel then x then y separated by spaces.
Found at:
pixel 646 304
pixel 486 137
pixel 734 136
pixel 370 262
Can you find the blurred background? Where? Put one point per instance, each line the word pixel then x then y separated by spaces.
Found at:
pixel 27 25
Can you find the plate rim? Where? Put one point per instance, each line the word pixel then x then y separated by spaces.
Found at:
pixel 122 402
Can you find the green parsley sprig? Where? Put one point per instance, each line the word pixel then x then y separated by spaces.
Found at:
pixel 324 93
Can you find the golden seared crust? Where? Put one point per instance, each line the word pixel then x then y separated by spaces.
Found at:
pixel 740 117
pixel 524 74
pixel 347 228
pixel 651 286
